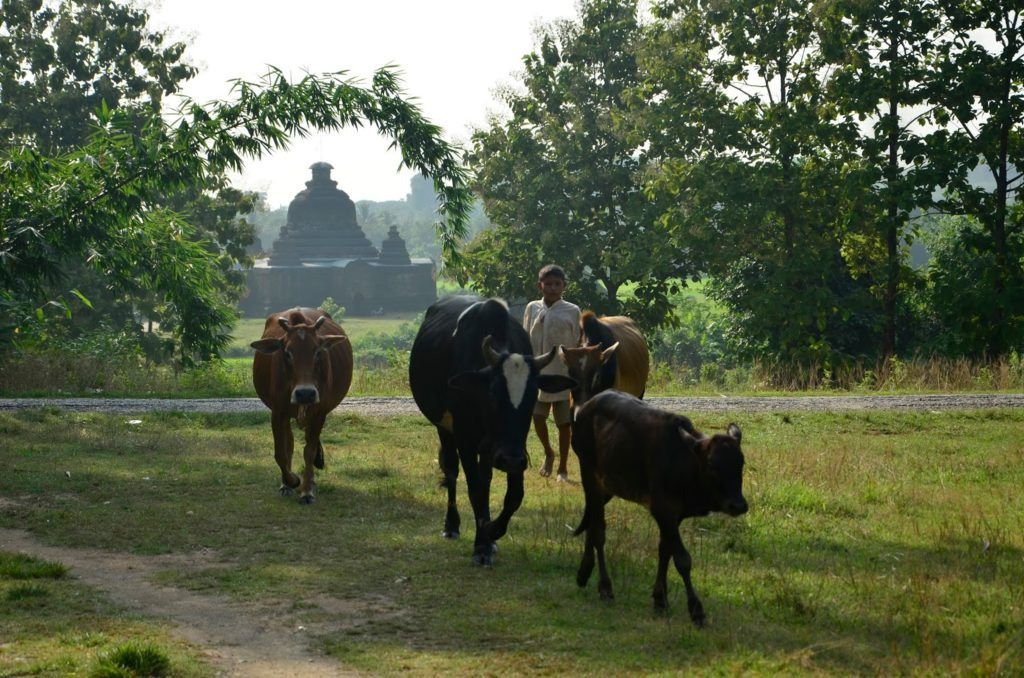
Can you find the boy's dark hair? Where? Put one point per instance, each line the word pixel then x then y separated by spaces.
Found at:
pixel 551 269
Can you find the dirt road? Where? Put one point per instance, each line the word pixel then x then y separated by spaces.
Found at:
pixel 397 406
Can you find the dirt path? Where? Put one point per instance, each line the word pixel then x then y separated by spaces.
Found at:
pixel 397 406
pixel 239 640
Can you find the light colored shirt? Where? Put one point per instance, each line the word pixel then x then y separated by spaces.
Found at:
pixel 550 326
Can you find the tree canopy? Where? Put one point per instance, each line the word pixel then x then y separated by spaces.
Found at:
pixel 785 152
pixel 101 203
pixel 559 177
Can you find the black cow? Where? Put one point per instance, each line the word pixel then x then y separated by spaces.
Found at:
pixel 629 449
pixel 473 376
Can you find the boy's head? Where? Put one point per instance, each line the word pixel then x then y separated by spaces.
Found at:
pixel 551 283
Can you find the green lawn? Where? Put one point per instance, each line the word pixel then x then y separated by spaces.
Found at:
pixel 876 544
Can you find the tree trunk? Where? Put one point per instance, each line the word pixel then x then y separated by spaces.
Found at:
pixel 892 252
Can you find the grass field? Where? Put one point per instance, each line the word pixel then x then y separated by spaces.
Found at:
pixel 876 544
pixel 249 330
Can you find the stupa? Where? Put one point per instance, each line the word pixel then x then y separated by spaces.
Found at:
pixel 323 252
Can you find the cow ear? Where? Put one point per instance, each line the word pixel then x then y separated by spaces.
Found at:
pixel 473 381
pixel 735 432
pixel 609 352
pixel 553 383
pixel 689 441
pixel 267 346
pixel 330 340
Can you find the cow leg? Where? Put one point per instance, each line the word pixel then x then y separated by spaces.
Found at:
pixel 284 443
pixel 483 553
pixel 514 493
pixel 660 582
pixel 448 460
pixel 672 544
pixel 593 513
pixel 310 452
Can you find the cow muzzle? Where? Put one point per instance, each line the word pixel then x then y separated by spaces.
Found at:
pixel 305 395
pixel 735 506
pixel 510 462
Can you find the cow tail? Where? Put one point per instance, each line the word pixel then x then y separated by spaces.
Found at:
pixel 582 527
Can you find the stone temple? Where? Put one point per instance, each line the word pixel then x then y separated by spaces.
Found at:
pixel 322 252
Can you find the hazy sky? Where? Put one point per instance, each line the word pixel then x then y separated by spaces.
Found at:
pixel 452 53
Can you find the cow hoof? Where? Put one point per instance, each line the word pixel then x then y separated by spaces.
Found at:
pixel 450 534
pixel 286 491
pixel 606 593
pixel 494 549
pixel 306 499
pixel 483 559
pixel 697 615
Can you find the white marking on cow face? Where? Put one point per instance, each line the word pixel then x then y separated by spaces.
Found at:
pixel 583 364
pixel 302 334
pixel 516 372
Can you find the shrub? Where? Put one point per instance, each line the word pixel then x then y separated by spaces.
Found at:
pixel 18 566
pixel 25 592
pixel 132 660
pixel 333 309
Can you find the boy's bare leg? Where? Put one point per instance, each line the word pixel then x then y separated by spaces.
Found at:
pixel 540 425
pixel 564 440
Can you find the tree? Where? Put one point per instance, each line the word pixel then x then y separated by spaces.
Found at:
pixel 60 62
pixel 560 176
pixel 746 152
pixel 883 50
pixel 98 204
pixel 979 85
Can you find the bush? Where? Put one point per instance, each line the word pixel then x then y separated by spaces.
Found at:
pixel 132 660
pixel 333 309
pixel 378 350
pixel 960 296
pixel 19 566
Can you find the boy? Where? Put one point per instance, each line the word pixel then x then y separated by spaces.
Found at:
pixel 551 321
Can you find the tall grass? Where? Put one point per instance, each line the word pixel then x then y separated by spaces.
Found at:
pixel 384 372
pixel 895 374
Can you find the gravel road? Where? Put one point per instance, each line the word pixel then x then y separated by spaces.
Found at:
pixel 397 406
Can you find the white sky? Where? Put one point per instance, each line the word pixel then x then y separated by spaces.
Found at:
pixel 452 54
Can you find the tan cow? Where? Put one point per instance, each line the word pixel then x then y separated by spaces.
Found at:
pixel 614 355
pixel 302 369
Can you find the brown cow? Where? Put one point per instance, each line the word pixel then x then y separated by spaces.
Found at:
pixel 614 355
pixel 630 449
pixel 302 369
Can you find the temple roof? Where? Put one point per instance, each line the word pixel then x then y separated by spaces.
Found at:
pixel 321 224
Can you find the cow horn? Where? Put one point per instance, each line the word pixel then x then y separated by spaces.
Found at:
pixel 544 360
pixel 283 322
pixel 319 321
pixel 490 355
